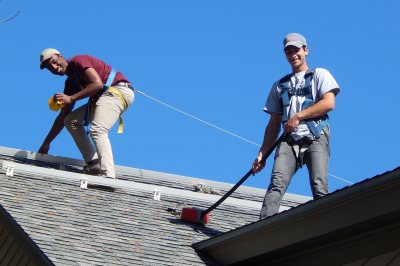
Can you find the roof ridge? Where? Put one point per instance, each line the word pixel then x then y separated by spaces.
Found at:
pixel 184 182
pixel 56 174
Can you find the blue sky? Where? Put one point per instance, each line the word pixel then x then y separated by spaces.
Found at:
pixel 215 60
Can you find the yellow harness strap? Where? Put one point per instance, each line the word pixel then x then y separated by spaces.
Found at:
pixel 121 121
pixel 119 94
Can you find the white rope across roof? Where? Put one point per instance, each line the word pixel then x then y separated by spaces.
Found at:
pixel 217 127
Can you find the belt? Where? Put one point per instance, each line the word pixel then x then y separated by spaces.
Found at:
pixel 124 84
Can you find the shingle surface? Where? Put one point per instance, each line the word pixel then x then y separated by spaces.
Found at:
pixel 75 226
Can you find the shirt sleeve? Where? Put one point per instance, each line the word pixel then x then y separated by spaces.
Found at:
pixel 273 103
pixel 325 82
pixel 81 62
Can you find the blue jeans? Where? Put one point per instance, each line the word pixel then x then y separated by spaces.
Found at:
pixel 316 159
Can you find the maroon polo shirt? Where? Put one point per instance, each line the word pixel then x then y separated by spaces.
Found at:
pixel 76 67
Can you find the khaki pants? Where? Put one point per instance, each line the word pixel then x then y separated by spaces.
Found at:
pixel 108 108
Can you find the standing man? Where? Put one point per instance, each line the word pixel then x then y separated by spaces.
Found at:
pixel 88 77
pixel 300 102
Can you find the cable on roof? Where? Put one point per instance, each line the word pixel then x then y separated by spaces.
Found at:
pixel 206 189
pixel 198 119
pixel 217 127
pixel 177 210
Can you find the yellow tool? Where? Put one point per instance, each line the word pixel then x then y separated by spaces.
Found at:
pixel 57 105
pixel 54 104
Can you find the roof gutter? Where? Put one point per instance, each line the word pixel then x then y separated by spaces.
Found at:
pixel 355 205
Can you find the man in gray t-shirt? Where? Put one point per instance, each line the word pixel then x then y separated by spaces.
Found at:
pixel 300 102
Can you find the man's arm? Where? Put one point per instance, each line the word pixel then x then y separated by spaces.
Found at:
pixel 58 125
pixel 270 136
pixel 94 86
pixel 322 107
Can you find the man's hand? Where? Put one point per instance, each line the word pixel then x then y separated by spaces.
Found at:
pixel 292 124
pixel 258 165
pixel 320 108
pixel 44 148
pixel 63 98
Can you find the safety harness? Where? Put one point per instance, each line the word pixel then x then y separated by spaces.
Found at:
pixel 90 108
pixel 315 125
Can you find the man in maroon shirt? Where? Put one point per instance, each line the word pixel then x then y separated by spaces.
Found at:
pixel 86 76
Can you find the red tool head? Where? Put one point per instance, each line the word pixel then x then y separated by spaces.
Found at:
pixel 194 215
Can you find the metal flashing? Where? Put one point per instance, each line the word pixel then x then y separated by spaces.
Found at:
pixel 257 194
pixel 123 184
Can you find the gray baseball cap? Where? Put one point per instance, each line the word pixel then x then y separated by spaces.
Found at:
pixel 294 39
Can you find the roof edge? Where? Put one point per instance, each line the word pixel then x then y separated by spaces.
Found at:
pixel 20 238
pixel 354 199
pixel 129 185
pixel 23 154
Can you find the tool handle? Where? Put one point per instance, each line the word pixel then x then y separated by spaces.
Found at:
pixel 249 173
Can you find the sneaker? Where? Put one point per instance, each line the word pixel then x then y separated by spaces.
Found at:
pixel 92 168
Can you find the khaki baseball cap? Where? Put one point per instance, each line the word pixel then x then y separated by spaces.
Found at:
pixel 294 39
pixel 46 54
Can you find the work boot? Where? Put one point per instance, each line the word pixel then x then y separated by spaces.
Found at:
pixel 92 168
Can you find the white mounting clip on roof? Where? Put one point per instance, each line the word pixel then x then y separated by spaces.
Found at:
pixel 84 183
pixel 9 169
pixel 157 194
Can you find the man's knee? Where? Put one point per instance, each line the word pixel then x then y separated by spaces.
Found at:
pixel 96 131
pixel 69 122
pixel 319 187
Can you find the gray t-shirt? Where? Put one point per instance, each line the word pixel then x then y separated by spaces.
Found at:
pixel 322 83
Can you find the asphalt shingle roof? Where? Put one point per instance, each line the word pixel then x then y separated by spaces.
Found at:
pixel 76 226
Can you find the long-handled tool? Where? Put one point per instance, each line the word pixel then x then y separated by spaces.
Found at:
pixel 197 215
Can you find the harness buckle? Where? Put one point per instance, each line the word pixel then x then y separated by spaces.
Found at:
pixel 306 140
